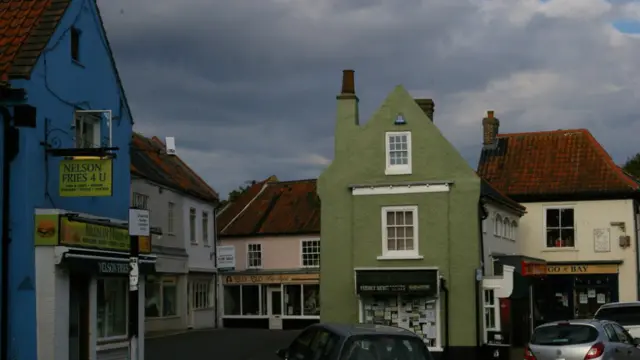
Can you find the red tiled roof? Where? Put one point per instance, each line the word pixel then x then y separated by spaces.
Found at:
pixel 149 161
pixel 25 29
pixel 273 208
pixel 561 162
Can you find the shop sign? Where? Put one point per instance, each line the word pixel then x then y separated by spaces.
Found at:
pixel 226 257
pixel 397 288
pixel 397 281
pixel 112 267
pixel 46 231
pixel 78 233
pixel 533 269
pixel 576 269
pixel 91 177
pixel 272 279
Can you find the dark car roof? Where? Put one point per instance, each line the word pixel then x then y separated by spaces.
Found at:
pixel 347 330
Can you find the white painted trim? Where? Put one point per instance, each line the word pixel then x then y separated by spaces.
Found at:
pixel 400 189
pixel 404 253
pixel 302 266
pixel 248 266
pixel 243 209
pixel 397 169
pixel 400 257
pixel 544 227
pixel 371 268
pixel 245 316
pixel 112 346
pixel 300 317
pixel 496 312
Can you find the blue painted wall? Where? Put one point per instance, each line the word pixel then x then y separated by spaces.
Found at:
pixel 57 86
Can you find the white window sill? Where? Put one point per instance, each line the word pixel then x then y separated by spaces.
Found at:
pixel 560 249
pixel 400 257
pixel 436 349
pixel 397 171
pixel 112 346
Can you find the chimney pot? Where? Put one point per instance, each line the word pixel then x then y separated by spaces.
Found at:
pixel 490 114
pixel 490 128
pixel 427 106
pixel 348 83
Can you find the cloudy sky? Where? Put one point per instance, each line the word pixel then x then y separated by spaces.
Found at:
pixel 247 87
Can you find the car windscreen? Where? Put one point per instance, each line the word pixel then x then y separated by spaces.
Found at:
pixel 623 315
pixel 564 334
pixel 372 347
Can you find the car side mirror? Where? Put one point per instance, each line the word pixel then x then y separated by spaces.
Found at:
pixel 283 354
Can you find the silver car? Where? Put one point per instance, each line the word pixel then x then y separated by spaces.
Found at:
pixel 582 340
pixel 626 314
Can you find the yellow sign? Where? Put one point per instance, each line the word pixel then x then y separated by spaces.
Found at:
pixel 272 279
pixel 92 177
pixel 577 269
pixel 46 230
pixel 77 233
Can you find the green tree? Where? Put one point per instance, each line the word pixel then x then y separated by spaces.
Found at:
pixel 632 166
pixel 234 194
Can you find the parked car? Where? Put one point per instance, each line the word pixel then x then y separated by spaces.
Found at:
pixel 355 342
pixel 626 314
pixel 582 340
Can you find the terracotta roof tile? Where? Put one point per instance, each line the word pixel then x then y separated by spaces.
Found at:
pixel 149 161
pixel 25 29
pixel 273 208
pixel 562 162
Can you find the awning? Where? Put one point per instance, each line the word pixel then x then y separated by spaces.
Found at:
pixel 106 264
pixel 525 268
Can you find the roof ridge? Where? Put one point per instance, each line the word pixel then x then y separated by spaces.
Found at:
pixel 544 132
pixel 293 181
pixel 607 158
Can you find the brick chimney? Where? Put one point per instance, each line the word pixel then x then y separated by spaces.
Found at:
pixel 428 106
pixel 490 127
pixel 347 117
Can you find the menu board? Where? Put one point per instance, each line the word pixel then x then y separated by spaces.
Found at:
pixel 414 313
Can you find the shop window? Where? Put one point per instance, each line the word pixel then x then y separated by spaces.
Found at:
pixel 161 297
pixel 112 296
pixel 311 253
pixel 419 314
pixel 311 294
pixel 250 299
pixel 398 145
pixel 254 256
pixel 232 300
pixel 400 230
pixel 560 227
pixel 292 299
pixel 201 294
pixel 491 313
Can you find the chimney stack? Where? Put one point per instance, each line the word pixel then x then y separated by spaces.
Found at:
pixel 348 83
pixel 490 128
pixel 428 106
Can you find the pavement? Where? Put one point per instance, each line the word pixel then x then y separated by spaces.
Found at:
pixel 223 344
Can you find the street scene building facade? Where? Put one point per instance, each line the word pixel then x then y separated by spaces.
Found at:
pixel 165 185
pixel 272 233
pixel 401 225
pixel 579 234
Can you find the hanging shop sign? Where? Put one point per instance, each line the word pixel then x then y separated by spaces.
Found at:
pixel 272 279
pixel 46 231
pixel 397 281
pixel 226 257
pixel 87 177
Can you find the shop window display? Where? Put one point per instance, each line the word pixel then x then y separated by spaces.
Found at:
pixel 311 299
pixel 250 299
pixel 232 300
pixel 415 313
pixel 112 307
pixel 160 297
pixel 293 300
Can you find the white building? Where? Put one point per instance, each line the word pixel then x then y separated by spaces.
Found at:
pixel 180 295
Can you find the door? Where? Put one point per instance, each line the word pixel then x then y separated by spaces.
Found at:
pixel 79 316
pixel 190 300
pixel 274 307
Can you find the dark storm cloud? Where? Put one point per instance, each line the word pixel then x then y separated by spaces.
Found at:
pixel 248 87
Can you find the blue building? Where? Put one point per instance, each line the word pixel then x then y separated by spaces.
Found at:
pixel 69 190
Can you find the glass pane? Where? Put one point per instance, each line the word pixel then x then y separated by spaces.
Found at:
pixel 623 315
pixel 409 232
pixel 391 244
pixel 311 299
pixel 292 300
pixel 392 147
pixel 408 244
pixel 566 218
pixel 250 299
pixel 231 300
pixel 392 139
pixel 169 298
pixel 403 146
pixel 553 218
pixel 408 217
pixel 400 232
pixel 564 334
pixel 276 302
pixel 553 238
pixel 400 244
pixel 399 218
pixel 152 297
pixel 567 237
pixel 390 218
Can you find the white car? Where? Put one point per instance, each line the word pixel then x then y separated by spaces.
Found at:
pixel 626 314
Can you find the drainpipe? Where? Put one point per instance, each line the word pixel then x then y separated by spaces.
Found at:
pixel 215 266
pixel 482 215
pixel 445 290
pixel 6 178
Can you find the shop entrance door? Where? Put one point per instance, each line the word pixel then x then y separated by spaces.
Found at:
pixel 79 316
pixel 274 307
pixel 190 300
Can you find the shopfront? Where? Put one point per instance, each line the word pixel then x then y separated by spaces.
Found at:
pixel 271 300
pixel 82 286
pixel 409 299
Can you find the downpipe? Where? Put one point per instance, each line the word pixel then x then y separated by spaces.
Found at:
pixel 445 290
pixel 6 240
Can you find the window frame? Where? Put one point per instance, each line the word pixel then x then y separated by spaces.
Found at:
pixel 171 217
pixel 82 119
pixel 204 221
pixel 560 227
pixel 201 287
pixel 506 231
pixel 399 254
pixel 496 311
pixel 108 339
pixel 193 219
pixel 497 225
pixel 302 253
pixel 405 169
pixel 514 230
pixel 249 251
pixel 140 200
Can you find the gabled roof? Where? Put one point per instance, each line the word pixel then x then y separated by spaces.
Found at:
pixel 149 161
pixel 489 192
pixel 273 207
pixel 25 29
pixel 553 163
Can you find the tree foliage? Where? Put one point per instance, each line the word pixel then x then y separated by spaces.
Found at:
pixel 234 194
pixel 632 166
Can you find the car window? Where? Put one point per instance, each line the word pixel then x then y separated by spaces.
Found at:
pixel 300 348
pixel 322 345
pixel 564 334
pixel 622 334
pixel 623 315
pixel 372 347
pixel 611 333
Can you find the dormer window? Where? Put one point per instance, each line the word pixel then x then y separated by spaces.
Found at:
pixel 75 44
pixel 398 156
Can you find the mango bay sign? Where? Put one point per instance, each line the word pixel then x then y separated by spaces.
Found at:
pixel 86 177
